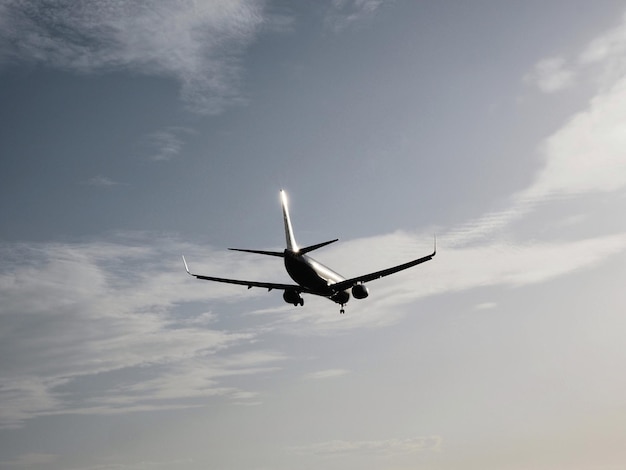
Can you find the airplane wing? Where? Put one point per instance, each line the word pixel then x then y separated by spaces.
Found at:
pixel 250 284
pixel 348 283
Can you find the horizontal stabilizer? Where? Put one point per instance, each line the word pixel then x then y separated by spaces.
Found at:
pixel 261 252
pixel 315 247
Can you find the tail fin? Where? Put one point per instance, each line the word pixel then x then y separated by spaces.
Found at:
pixel 290 239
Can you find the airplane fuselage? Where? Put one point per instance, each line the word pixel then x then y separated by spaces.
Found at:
pixel 313 275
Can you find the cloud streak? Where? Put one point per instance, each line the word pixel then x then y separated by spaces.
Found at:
pixel 456 270
pixel 75 312
pixel 166 144
pixel 197 43
pixel 344 14
pixel 381 447
pixel 101 181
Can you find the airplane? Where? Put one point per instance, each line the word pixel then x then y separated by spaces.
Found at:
pixel 311 276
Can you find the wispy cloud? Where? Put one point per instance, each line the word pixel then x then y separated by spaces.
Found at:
pixel 166 144
pixel 551 75
pixel 588 153
pixel 602 59
pixel 608 52
pixel 486 306
pixel 455 269
pixel 381 447
pixel 197 43
pixel 101 181
pixel 344 14
pixel 74 312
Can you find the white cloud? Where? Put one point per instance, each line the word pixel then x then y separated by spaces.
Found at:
pixel 605 56
pixel 495 263
pixel 603 60
pixel 551 75
pixel 456 268
pixel 588 154
pixel 74 312
pixel 197 43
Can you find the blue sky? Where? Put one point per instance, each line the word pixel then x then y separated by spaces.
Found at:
pixel 133 132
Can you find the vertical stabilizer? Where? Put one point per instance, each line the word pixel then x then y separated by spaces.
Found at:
pixel 291 241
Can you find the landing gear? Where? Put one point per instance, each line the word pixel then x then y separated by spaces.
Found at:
pixel 340 297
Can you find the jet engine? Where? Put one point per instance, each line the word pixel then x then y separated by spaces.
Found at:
pixel 360 291
pixel 293 297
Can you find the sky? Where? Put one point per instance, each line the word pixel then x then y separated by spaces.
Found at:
pixel 132 132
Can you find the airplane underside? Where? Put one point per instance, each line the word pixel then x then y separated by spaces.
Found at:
pixel 308 274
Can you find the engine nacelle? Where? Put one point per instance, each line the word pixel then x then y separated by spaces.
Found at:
pixel 360 291
pixel 293 297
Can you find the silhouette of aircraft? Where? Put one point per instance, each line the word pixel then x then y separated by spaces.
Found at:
pixel 311 276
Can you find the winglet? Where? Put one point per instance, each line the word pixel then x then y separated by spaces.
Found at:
pixel 186 267
pixel 435 247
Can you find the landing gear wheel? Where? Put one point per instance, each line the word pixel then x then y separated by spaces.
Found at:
pixel 342 311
